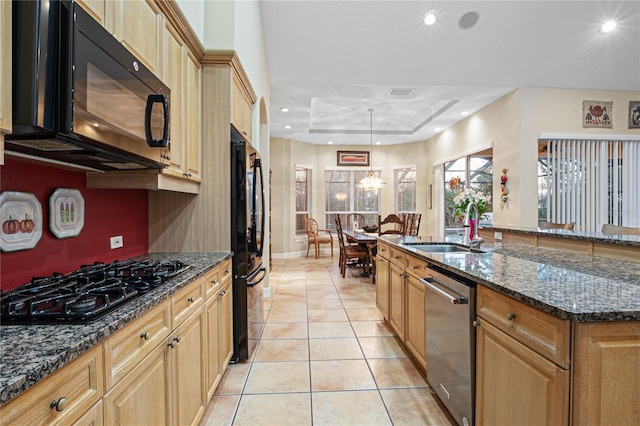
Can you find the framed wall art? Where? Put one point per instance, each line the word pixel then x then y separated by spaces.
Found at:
pixel 597 114
pixel 66 212
pixel 353 158
pixel 634 114
pixel 21 215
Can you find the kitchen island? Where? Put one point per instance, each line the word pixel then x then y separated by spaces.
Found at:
pixel 32 353
pixel 557 332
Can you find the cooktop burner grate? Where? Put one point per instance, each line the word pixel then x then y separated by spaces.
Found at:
pixel 85 295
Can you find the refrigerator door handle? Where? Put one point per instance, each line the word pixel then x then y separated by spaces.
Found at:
pixel 252 283
pixel 258 175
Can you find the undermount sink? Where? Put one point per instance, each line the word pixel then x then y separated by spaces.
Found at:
pixel 438 248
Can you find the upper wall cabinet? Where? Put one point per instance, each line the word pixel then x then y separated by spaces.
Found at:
pixel 138 25
pixel 5 73
pixel 241 108
pixel 101 10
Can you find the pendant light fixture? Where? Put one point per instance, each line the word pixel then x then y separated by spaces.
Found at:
pixel 371 182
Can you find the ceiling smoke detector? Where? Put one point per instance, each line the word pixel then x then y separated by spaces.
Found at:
pixel 468 20
pixel 401 92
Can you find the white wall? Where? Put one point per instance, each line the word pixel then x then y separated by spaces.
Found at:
pixel 193 10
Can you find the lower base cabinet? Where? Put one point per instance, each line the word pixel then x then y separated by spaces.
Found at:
pixel 382 286
pixel 515 385
pixel 93 417
pixel 219 335
pixel 416 338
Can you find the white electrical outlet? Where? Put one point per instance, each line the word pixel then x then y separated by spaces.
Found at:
pixel 116 242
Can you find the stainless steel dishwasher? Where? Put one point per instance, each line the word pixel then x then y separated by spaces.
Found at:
pixel 450 310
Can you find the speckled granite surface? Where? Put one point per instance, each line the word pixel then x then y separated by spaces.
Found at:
pixel 568 285
pixel 596 237
pixel 28 353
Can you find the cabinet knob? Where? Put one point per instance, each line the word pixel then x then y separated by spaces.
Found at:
pixel 223 292
pixel 190 300
pixel 174 342
pixel 145 335
pixel 214 282
pixel 59 404
pixel 511 316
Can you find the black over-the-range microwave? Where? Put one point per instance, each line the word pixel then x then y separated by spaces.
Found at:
pixel 79 96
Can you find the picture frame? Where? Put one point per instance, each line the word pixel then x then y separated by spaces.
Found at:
pixel 21 216
pixel 353 158
pixel 634 114
pixel 66 212
pixel 597 114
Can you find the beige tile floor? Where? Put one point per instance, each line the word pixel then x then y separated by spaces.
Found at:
pixel 326 357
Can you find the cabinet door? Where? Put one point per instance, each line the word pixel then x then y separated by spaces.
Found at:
pixel 100 11
pixel 226 325
pixel 415 333
pixel 382 286
pixel 396 299
pixel 172 75
pixel 515 385
pixel 143 397
pixel 93 417
pixel 188 368
pixel 246 118
pixel 192 115
pixel 137 25
pixel 214 373
pixel 5 73
pixel 237 98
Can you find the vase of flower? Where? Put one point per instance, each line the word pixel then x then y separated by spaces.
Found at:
pixel 469 195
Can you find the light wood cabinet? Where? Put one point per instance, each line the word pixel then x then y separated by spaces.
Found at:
pixel 516 385
pixel 62 398
pixel 187 354
pixel 93 417
pixel 214 370
pixel 226 325
pixel 102 11
pixel 382 286
pixel 416 339
pixel 397 299
pixel 143 396
pixel 241 109
pixel 186 301
pixel 193 109
pixel 5 73
pixel 137 26
pixel 606 366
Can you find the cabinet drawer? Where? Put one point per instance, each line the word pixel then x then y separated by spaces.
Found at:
pixel 542 332
pixel 225 271
pixel 75 388
pixel 212 282
pixel 398 257
pixel 187 301
pixel 416 267
pixel 127 347
pixel 383 250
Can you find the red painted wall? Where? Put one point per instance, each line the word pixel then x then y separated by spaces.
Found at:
pixel 108 212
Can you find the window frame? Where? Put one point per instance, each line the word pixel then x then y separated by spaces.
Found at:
pixel 352 195
pixel 299 233
pixel 396 185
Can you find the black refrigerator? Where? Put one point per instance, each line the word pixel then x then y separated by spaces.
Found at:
pixel 247 242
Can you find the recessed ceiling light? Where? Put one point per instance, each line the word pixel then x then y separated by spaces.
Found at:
pixel 330 142
pixel 464 112
pixel 401 92
pixel 378 143
pixel 437 129
pixel 430 17
pixel 96 125
pixel 468 20
pixel 287 126
pixel 284 109
pixel 608 26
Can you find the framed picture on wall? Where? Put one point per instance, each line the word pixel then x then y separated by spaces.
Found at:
pixel 353 158
pixel 597 114
pixel 634 114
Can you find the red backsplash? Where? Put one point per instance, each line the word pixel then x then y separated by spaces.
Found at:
pixel 108 212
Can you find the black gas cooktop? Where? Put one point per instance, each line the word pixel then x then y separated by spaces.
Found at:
pixel 85 295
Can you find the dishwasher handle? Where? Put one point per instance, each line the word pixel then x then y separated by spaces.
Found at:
pixel 456 299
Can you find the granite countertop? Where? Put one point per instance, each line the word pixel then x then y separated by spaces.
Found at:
pixel 28 353
pixel 568 285
pixel 596 237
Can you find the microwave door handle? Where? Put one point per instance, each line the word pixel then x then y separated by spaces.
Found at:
pixel 153 99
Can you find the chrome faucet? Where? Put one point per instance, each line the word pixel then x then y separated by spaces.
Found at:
pixel 474 240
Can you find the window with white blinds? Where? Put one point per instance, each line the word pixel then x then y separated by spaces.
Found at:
pixel 590 182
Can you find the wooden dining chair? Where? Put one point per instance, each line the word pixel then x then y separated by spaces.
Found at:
pixel 608 229
pixel 372 248
pixel 543 224
pixel 349 252
pixel 392 219
pixel 314 237
pixel 412 224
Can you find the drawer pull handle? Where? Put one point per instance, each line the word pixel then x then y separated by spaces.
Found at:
pixel 415 267
pixel 174 342
pixel 60 404
pixel 190 300
pixel 226 272
pixel 511 316
pixel 214 282
pixel 145 335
